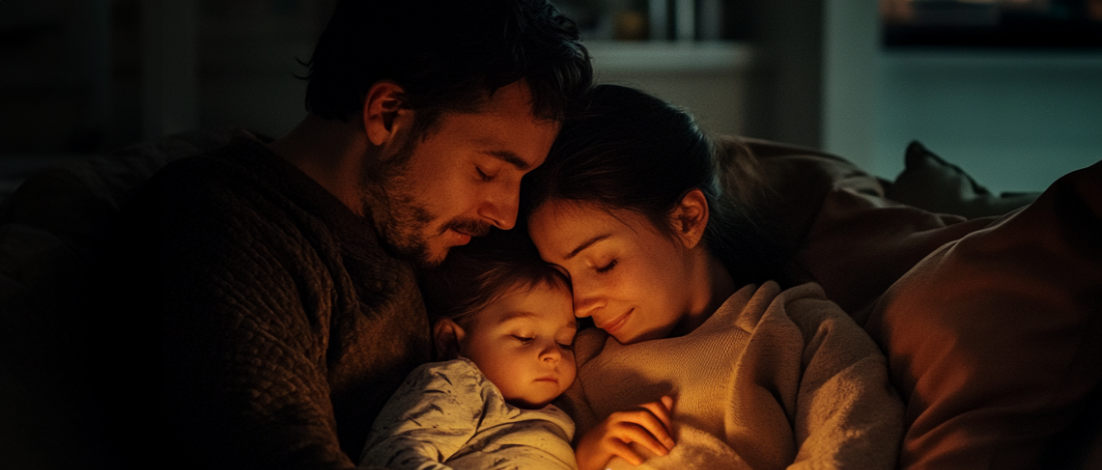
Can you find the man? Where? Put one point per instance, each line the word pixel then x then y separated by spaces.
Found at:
pixel 283 271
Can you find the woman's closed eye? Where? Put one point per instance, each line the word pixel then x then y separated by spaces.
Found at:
pixel 608 267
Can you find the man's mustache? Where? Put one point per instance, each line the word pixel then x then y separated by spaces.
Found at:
pixel 474 228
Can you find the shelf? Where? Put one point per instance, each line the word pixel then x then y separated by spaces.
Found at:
pixel 1037 34
pixel 966 58
pixel 670 56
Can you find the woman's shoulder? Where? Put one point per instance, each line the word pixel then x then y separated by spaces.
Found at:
pixel 808 305
pixel 804 306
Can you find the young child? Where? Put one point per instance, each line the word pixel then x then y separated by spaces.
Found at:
pixel 504 331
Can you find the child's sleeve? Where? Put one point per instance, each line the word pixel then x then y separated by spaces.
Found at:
pixel 428 419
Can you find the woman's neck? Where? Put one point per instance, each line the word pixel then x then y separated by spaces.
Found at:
pixel 718 285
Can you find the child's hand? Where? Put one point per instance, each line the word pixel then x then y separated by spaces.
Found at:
pixel 648 425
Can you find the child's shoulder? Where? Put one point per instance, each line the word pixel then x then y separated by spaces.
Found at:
pixel 459 372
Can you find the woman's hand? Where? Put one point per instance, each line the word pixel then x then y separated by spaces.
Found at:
pixel 648 425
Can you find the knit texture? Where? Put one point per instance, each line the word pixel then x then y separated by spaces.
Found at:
pixel 773 379
pixel 284 326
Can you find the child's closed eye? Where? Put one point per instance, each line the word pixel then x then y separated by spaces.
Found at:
pixel 524 339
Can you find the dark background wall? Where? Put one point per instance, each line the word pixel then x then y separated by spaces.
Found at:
pixel 857 77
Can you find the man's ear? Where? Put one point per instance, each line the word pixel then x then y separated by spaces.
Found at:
pixel 383 108
pixel 689 218
pixel 446 335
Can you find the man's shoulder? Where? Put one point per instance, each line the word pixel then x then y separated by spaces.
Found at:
pixel 241 156
pixel 241 175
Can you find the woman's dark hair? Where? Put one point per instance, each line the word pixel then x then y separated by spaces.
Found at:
pixel 448 55
pixel 633 151
pixel 476 274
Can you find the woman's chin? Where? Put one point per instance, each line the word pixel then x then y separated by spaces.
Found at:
pixel 638 337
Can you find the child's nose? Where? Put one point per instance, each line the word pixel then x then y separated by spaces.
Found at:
pixel 551 353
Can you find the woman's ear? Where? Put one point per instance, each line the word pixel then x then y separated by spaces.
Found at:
pixel 446 335
pixel 689 218
pixel 384 106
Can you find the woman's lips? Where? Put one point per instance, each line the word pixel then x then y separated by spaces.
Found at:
pixel 611 326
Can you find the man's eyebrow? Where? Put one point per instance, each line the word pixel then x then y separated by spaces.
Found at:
pixel 511 158
pixel 584 245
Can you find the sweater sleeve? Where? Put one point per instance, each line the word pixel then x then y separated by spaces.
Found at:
pixel 847 413
pixel 429 419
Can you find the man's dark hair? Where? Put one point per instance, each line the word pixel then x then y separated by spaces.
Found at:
pixel 448 56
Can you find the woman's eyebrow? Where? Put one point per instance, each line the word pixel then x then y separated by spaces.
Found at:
pixel 584 245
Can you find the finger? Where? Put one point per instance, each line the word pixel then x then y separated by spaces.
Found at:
pixel 659 423
pixel 624 451
pixel 633 432
pixel 661 410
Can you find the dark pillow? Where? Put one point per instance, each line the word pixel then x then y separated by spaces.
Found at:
pixel 841 230
pixel 931 183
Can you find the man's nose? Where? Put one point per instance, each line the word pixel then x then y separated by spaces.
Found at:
pixel 500 209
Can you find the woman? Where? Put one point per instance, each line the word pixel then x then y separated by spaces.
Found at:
pixel 632 208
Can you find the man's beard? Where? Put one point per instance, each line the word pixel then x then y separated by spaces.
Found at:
pixel 402 222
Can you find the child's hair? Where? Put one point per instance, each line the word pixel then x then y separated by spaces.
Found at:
pixel 477 274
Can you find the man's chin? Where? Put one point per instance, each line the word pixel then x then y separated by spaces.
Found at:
pixel 432 260
pixel 434 254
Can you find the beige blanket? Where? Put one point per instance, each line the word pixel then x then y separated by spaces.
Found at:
pixel 773 379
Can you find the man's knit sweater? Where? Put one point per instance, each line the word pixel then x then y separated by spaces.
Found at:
pixel 285 326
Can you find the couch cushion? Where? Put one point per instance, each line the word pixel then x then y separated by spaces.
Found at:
pixel 995 340
pixel 50 230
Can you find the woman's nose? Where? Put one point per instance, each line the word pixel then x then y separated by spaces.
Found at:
pixel 585 306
